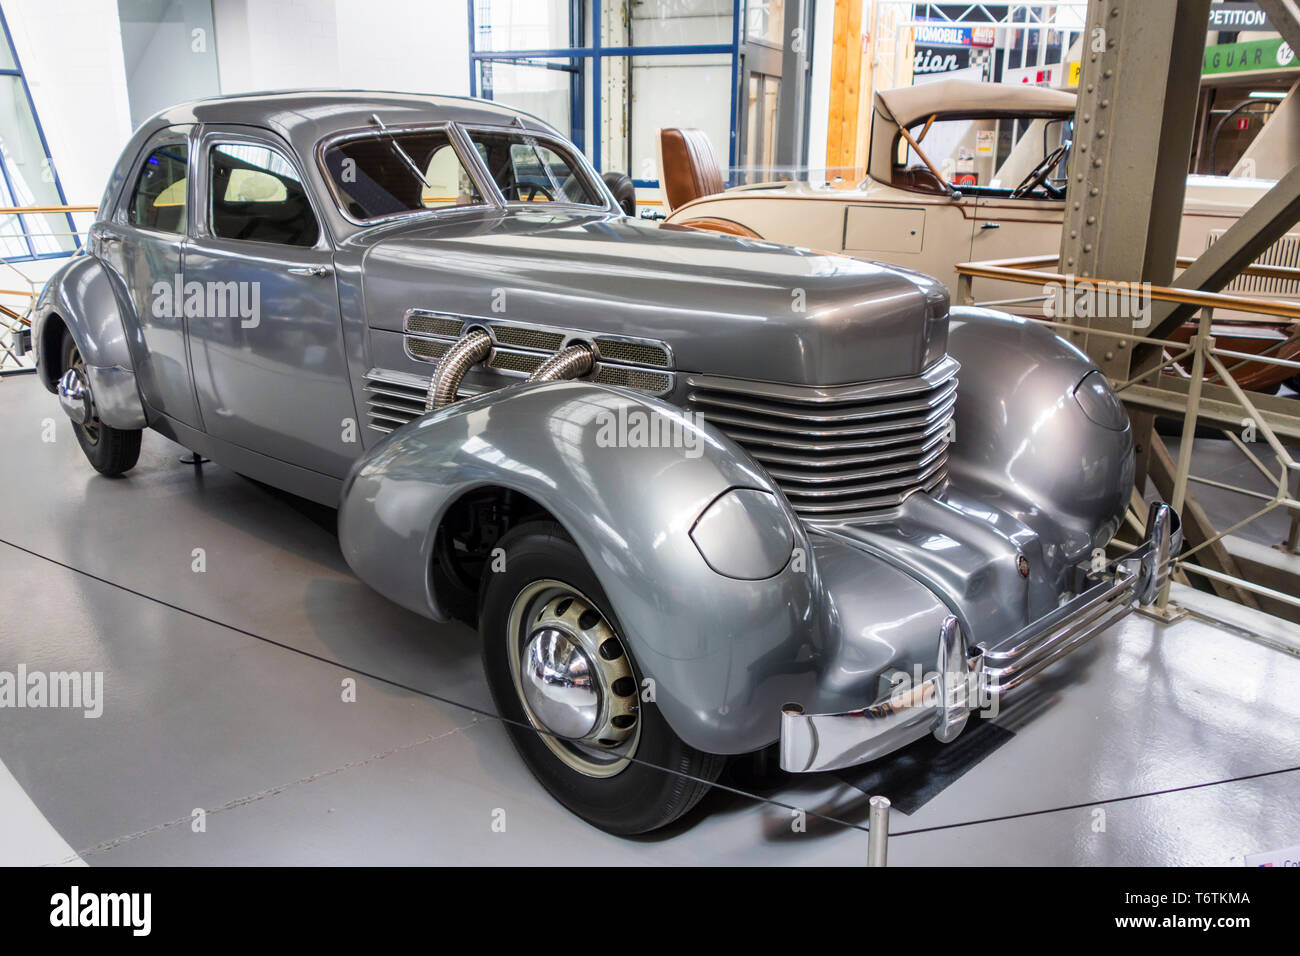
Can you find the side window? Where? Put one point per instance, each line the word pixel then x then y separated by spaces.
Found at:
pixel 256 195
pixel 158 201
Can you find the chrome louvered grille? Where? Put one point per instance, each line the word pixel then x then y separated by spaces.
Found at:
pixel 393 398
pixel 839 453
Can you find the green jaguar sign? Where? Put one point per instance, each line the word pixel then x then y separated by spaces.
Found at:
pixel 1255 56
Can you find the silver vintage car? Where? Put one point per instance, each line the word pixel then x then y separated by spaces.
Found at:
pixel 702 495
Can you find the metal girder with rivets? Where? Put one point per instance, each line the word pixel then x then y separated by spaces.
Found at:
pixel 1263 224
pixel 1285 17
pixel 1141 67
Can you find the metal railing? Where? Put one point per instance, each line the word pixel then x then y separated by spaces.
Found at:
pixel 1208 394
pixel 18 289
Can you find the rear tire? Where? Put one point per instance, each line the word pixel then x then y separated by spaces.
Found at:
pixel 620 184
pixel 543 567
pixel 111 451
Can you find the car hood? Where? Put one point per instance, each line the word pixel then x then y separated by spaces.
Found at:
pixel 727 306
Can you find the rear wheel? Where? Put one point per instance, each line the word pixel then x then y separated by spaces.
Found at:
pixel 111 451
pixel 621 185
pixel 562 675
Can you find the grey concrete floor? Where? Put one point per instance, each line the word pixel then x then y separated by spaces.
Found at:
pixel 223 692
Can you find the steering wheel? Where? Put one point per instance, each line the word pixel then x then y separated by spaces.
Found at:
pixel 1038 176
pixel 533 190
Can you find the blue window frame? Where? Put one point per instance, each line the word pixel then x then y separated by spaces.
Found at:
pixel 581 59
pixel 25 178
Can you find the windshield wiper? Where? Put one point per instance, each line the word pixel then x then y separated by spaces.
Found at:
pixel 397 148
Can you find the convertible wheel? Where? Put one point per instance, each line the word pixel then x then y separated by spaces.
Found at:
pixel 558 668
pixel 112 451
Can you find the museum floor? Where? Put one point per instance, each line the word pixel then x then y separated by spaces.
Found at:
pixel 223 691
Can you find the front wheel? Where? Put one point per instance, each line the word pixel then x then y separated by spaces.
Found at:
pixel 565 681
pixel 111 451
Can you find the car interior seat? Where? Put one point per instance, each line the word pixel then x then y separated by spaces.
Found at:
pixel 688 167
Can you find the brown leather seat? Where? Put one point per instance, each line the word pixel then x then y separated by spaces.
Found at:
pixel 688 168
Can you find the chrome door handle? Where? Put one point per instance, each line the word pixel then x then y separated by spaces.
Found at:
pixel 991 225
pixel 309 270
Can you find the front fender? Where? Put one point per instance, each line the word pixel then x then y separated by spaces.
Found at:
pixel 724 653
pixel 81 296
pixel 1022 440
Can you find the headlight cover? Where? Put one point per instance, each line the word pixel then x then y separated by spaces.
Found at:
pixel 744 534
pixel 1100 403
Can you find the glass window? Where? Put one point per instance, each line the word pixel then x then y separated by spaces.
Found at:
pixel 526 169
pixel 543 88
pixel 159 201
pixel 27 178
pixel 408 171
pixel 522 25
pixel 257 195
pixel 659 83
pixel 766 21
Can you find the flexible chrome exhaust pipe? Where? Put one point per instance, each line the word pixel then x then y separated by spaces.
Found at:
pixel 574 361
pixel 468 351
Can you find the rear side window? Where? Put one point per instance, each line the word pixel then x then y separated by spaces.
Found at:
pixel 158 201
pixel 257 195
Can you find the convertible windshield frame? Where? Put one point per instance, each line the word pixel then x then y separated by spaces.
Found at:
pixel 465 153
pixel 578 164
pixel 904 135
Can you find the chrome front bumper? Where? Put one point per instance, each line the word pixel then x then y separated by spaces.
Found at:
pixel 968 678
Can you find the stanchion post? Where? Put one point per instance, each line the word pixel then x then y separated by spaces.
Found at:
pixel 878 833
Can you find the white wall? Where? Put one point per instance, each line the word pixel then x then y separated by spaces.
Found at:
pixel 404 45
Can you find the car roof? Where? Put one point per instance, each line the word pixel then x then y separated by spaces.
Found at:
pixel 911 104
pixel 328 111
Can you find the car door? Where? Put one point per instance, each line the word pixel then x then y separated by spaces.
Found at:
pixel 1010 229
pixel 142 243
pixel 929 236
pixel 268 356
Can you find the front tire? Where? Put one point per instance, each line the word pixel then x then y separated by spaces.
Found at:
pixel 111 451
pixel 597 750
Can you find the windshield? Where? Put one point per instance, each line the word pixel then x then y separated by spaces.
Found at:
pixel 372 178
pixel 531 170
pixel 995 155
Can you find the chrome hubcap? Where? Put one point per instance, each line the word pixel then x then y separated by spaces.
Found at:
pixel 77 401
pixel 558 684
pixel 574 678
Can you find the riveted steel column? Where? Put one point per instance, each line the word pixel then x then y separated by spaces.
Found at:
pixel 1141 66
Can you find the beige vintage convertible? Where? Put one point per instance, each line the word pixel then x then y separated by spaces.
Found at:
pixel 960 171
